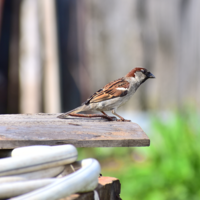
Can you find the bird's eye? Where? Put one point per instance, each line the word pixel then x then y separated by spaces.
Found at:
pixel 142 70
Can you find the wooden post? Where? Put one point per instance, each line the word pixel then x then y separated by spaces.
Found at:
pixel 107 189
pixel 46 129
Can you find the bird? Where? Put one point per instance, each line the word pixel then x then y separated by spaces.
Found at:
pixel 112 96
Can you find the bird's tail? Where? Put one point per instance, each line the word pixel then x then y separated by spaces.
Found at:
pixel 74 111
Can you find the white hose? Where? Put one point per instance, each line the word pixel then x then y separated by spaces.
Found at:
pixel 85 179
pixel 28 173
pixel 8 190
pixel 29 150
pixel 44 173
pixel 59 155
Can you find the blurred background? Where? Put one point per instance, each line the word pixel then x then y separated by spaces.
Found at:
pixel 55 53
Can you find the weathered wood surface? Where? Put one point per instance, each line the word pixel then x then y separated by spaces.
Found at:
pixel 107 189
pixel 46 129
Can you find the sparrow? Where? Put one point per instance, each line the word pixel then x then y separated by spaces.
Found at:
pixel 112 95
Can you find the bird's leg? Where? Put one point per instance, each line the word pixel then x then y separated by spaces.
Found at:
pixel 104 113
pixel 121 118
pixel 91 115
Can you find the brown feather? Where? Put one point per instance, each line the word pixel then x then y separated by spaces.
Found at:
pixel 132 72
pixel 109 91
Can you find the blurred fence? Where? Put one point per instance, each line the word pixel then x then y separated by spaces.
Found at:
pixel 69 49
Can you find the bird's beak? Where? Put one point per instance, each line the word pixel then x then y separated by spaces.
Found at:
pixel 150 75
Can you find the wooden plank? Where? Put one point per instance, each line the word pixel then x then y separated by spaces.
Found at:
pixel 45 129
pixel 107 189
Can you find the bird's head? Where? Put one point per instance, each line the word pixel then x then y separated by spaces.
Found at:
pixel 140 74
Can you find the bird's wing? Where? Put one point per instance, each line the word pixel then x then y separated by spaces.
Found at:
pixel 117 88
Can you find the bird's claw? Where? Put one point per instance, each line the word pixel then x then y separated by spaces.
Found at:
pixel 123 120
pixel 113 119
